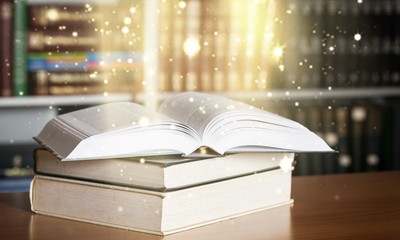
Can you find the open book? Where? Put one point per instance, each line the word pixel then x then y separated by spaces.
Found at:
pixel 183 123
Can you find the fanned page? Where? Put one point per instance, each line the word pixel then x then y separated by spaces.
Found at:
pixel 226 125
pixel 117 130
pixel 184 123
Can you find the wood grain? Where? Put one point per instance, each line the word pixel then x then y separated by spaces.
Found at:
pixel 348 206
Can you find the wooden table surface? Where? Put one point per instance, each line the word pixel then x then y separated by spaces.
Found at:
pixel 351 206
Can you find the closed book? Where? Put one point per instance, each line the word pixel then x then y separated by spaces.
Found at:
pixel 165 42
pixel 20 82
pixel 374 139
pixel 155 212
pixel 314 121
pixel 192 44
pixel 54 40
pixel 64 14
pixel 343 126
pixel 79 82
pixel 178 66
pixel 162 172
pixel 331 137
pixel 6 55
pixel 359 117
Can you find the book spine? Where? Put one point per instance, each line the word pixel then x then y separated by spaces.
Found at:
pixel 220 47
pixel 19 49
pixel 317 164
pixel 266 43
pixel 373 138
pixel 331 138
pixel 165 41
pixel 343 147
pixel 358 124
pixel 48 15
pixel 233 79
pixel 178 63
pixel 303 164
pixel 207 46
pixel 192 44
pixel 249 54
pixel 61 41
pixel 80 82
pixel 6 55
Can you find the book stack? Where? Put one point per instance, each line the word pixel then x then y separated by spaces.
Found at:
pixel 125 166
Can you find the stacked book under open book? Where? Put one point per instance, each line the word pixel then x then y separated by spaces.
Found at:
pixel 200 159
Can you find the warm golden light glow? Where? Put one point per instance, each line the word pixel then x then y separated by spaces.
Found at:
pixel 132 10
pixel 191 46
pixel 182 4
pixel 52 15
pixel 127 20
pixel 125 30
pixel 277 52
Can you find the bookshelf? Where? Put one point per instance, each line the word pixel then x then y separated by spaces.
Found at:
pixel 287 56
pixel 307 94
pixel 54 101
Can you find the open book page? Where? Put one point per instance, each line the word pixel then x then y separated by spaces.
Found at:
pixel 197 109
pixel 119 129
pixel 227 125
pixel 112 117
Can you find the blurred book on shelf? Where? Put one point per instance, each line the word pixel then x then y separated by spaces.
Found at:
pixel 6 48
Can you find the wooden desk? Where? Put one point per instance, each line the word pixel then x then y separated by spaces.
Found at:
pixel 353 206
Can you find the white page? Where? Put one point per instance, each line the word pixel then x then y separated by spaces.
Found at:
pixel 113 117
pixel 198 110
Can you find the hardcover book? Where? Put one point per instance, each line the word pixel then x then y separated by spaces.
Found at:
pixel 162 173
pixel 159 212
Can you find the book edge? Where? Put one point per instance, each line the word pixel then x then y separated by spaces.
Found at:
pixel 166 232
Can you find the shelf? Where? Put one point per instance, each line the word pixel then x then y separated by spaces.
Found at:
pixel 304 94
pixel 40 101
pixel 310 94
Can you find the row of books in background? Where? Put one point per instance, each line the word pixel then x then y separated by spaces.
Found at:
pixel 71 48
pixel 206 46
pixel 341 44
pixel 247 46
pixel 361 133
pixel 226 45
